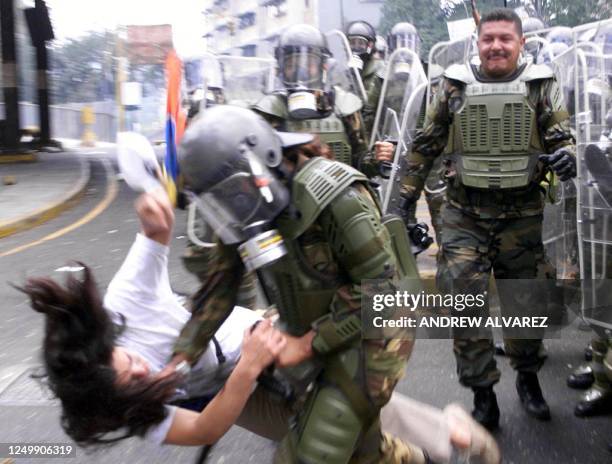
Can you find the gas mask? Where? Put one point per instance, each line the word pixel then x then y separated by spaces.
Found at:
pixel 228 157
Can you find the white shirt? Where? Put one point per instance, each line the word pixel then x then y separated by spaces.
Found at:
pixel 141 293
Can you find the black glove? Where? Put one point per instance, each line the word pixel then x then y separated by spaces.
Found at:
pixel 562 162
pixel 419 236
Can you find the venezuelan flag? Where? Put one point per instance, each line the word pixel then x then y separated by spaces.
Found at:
pixel 175 124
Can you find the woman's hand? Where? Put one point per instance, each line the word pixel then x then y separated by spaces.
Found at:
pixel 261 346
pixel 156 215
pixel 296 351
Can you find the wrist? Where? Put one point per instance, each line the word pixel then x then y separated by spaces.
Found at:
pixel 248 370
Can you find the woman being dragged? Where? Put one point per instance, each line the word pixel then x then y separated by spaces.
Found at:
pixel 107 361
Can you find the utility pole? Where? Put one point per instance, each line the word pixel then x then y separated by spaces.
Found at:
pixel 9 74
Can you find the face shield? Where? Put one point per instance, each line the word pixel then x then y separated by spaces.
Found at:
pixel 410 41
pixel 302 69
pixel 244 202
pixel 359 45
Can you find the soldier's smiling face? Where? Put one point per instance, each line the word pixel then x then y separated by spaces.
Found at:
pixel 499 47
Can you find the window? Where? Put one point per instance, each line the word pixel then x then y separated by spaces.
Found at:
pixel 247 20
pixel 249 50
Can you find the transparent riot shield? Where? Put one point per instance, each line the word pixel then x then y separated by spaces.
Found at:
pixel 559 226
pixel 403 75
pixel 444 54
pixel 396 118
pixel 344 69
pixel 593 62
pixel 235 80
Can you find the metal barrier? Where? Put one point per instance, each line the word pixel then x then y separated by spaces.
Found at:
pixel 66 122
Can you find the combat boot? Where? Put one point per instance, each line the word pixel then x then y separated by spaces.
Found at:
pixel 530 393
pixel 596 401
pixel 582 378
pixel 486 410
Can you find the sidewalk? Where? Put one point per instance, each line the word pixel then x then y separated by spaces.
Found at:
pixel 41 189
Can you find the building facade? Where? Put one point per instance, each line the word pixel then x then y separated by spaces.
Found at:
pixel 252 27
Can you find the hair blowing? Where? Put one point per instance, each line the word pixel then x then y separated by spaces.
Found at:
pixel 78 346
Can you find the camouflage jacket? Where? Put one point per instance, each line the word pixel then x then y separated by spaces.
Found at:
pixel 373 79
pixel 552 121
pixel 340 247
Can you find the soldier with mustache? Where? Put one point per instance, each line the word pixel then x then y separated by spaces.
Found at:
pixel 500 127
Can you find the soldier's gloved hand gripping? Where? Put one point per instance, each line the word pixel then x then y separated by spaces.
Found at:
pixel 562 162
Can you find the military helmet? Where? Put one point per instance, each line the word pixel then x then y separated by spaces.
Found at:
pixel 550 51
pixel 404 35
pixel 381 46
pixel 301 54
pixel 362 38
pixel 218 138
pixel 532 24
pixel 560 34
pixel 361 29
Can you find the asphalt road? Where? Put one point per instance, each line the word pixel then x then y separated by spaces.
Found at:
pixel 29 415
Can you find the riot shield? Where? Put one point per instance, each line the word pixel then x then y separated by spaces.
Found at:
pixel 235 79
pixel 396 118
pixel 559 226
pixel 344 71
pixel 404 74
pixel 594 150
pixel 441 56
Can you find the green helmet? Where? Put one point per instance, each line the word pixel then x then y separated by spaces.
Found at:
pixel 301 53
pixel 362 39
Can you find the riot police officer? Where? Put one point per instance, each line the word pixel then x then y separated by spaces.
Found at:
pixel 306 102
pixel 363 42
pixel 312 230
pixel 492 216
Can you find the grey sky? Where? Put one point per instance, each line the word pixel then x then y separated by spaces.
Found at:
pixel 72 18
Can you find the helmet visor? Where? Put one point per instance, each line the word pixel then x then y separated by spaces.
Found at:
pixel 406 41
pixel 359 45
pixel 302 69
pixel 248 198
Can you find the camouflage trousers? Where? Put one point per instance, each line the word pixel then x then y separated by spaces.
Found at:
pixel 331 426
pixel 197 260
pixel 470 251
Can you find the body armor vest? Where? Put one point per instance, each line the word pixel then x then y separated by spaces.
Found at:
pixel 493 136
pixel 303 283
pixel 330 130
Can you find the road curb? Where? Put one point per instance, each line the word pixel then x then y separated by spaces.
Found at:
pixel 51 209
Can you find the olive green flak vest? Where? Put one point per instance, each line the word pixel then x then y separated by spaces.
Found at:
pixel 493 137
pixel 330 129
pixel 301 291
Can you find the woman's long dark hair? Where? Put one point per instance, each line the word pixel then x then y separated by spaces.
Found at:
pixel 78 346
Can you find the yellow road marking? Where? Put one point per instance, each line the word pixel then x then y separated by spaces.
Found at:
pixel 111 192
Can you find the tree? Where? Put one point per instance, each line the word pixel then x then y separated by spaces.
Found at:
pixel 82 69
pixel 569 13
pixel 430 16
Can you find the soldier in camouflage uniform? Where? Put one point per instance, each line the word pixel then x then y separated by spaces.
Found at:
pixel 492 217
pixel 196 258
pixel 362 39
pixel 333 238
pixel 306 104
